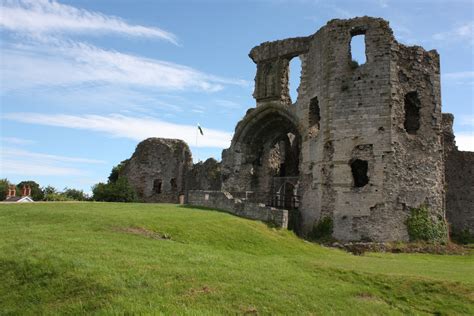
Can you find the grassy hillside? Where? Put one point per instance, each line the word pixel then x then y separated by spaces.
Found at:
pixel 144 258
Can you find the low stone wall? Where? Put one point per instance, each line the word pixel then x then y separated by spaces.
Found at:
pixel 226 202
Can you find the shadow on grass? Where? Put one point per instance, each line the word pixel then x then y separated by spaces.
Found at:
pixel 48 285
pixel 203 208
pixel 411 294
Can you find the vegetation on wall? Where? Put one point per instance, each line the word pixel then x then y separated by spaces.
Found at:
pixel 322 230
pixel 463 237
pixel 422 226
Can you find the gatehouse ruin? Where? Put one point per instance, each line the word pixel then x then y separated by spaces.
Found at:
pixel 362 144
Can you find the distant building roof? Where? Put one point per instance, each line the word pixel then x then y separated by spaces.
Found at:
pixel 25 194
pixel 19 199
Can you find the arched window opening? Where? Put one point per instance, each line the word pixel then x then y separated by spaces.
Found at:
pixel 294 78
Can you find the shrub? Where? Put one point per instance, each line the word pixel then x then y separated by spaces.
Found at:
pixel 463 237
pixel 422 226
pixel 4 183
pixel 323 229
pixel 74 194
pixel 56 197
pixel 118 191
pixel 115 173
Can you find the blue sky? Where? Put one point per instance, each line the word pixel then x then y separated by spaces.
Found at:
pixel 82 82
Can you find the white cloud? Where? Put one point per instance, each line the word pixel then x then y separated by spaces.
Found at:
pixel 66 63
pixel 228 104
pixel 51 17
pixel 467 119
pixel 35 168
pixel 383 3
pixel 15 162
pixel 17 141
pixel 341 13
pixel 459 75
pixel 459 78
pixel 464 32
pixel 12 152
pixel 465 141
pixel 136 128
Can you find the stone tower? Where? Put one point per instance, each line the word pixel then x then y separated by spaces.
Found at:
pixel 361 144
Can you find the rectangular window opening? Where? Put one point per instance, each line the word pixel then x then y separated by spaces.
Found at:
pixel 358 50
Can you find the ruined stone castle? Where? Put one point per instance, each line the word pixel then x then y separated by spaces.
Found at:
pixel 361 144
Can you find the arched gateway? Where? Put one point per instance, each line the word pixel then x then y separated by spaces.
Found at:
pixel 263 160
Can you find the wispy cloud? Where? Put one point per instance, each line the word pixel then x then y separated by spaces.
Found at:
pixel 467 120
pixel 22 162
pixel 13 152
pixel 464 32
pixel 341 13
pixel 65 63
pixel 136 128
pixel 228 104
pixel 461 77
pixel 35 168
pixel 17 141
pixel 51 17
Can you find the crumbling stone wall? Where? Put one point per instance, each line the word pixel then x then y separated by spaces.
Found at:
pixel 369 136
pixel 157 169
pixel 204 176
pixel 226 202
pixel 459 174
pixel 361 144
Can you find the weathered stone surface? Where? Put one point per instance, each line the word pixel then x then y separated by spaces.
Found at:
pixel 459 173
pixel 204 176
pixel 225 201
pixel 364 141
pixel 361 144
pixel 157 169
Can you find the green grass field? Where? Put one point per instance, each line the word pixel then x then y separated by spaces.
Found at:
pixel 112 258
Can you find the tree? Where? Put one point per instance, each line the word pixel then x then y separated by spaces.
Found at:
pixel 115 173
pixel 4 183
pixel 49 190
pixel 118 191
pixel 74 194
pixel 37 193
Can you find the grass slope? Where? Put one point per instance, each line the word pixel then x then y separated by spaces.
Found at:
pixel 159 258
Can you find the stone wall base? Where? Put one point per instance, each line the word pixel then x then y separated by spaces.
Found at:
pixel 225 201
